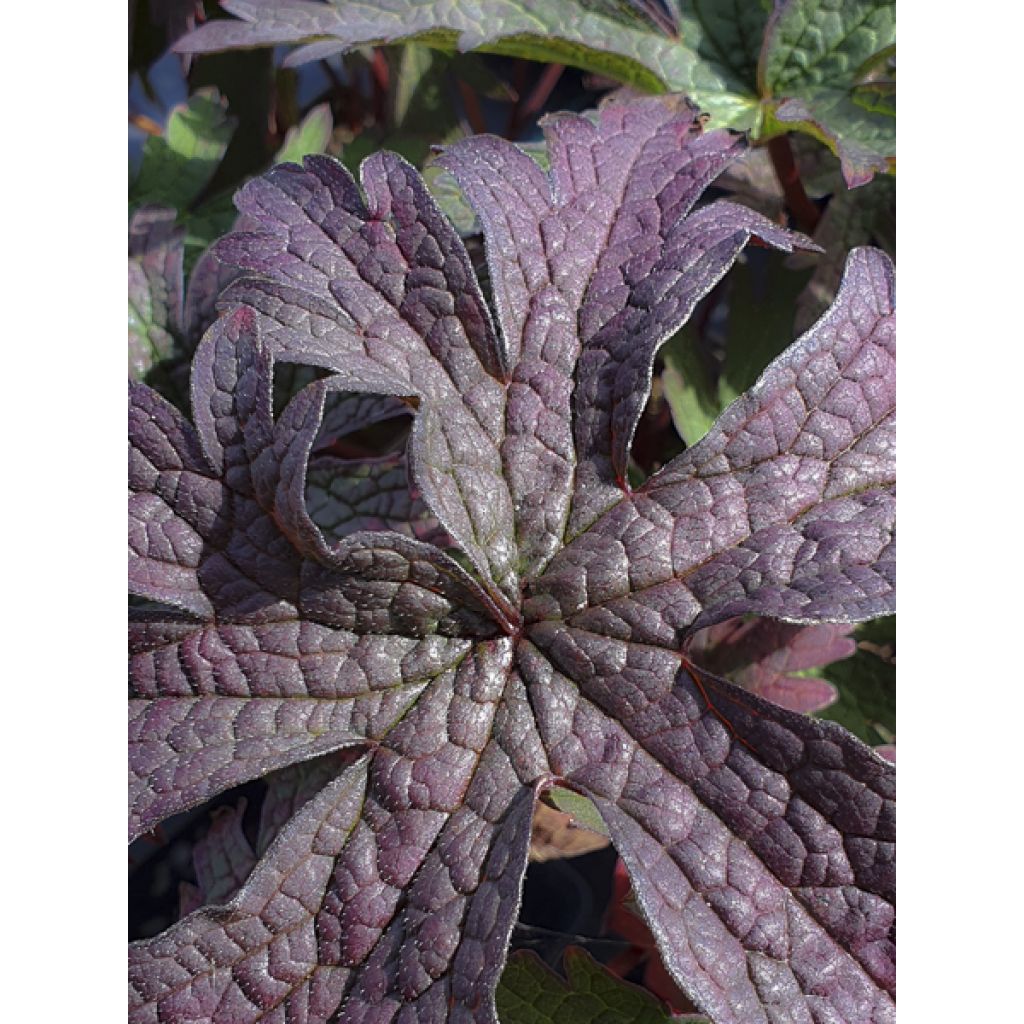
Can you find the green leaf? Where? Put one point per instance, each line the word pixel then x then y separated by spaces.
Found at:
pixel 310 137
pixel 178 165
pixel 761 302
pixel 867 684
pixel 611 38
pixel 863 139
pixel 727 34
pixel 531 993
pixel 815 55
pixel 689 390
pixel 738 61
pixel 582 811
pixel 758 305
pixel 813 44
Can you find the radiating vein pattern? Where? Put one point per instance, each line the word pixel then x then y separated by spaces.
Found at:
pixel 443 631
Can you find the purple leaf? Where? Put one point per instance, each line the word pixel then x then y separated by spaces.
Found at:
pixel 760 842
pixel 763 655
pixel 291 788
pixel 785 508
pixel 593 266
pixel 384 294
pixel 280 612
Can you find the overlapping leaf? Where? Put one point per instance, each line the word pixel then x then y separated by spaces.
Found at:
pixel 771 658
pixel 760 842
pixel 810 73
pixel 167 243
pixel 802 67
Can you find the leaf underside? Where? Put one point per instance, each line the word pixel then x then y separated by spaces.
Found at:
pixel 545 641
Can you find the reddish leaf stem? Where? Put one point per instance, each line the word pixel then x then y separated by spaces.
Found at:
pixel 805 213
pixel 471 103
pixel 521 113
pixel 381 82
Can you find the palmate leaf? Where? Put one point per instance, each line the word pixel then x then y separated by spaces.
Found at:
pixel 799 68
pixel 760 842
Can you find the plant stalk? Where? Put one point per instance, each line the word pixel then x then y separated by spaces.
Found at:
pixel 805 213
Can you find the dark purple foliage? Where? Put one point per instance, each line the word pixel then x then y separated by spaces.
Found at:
pixel 545 641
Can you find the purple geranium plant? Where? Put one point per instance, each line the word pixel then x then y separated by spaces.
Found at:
pixel 518 616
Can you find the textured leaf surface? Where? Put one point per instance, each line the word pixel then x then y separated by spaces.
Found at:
pixel 603 241
pixel 813 53
pixel 531 993
pixel 386 291
pixel 798 68
pixel 760 842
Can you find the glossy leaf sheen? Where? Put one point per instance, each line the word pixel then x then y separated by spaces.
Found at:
pixel 760 842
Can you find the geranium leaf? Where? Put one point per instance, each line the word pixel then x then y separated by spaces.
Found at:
pixel 387 294
pixel 290 789
pixel 759 841
pixel 212 701
pixel 715 545
pixel 811 60
pixel 864 141
pixel 802 66
pixel 744 828
pixel 610 41
pixel 810 44
pixel 605 237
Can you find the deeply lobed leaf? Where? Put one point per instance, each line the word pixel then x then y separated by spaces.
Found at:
pixel 760 842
